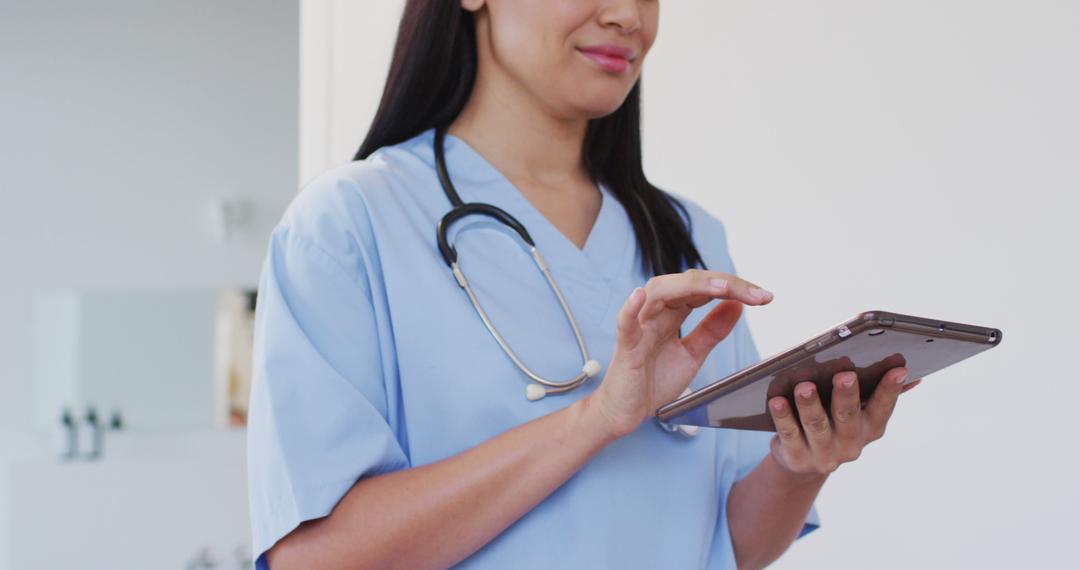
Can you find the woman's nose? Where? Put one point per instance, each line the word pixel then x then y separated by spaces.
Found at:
pixel 623 14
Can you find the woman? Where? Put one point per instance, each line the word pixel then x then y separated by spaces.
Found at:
pixel 387 427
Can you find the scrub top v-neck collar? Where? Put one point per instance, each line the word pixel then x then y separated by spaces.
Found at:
pixel 597 265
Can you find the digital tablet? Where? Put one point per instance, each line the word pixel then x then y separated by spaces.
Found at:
pixel 870 344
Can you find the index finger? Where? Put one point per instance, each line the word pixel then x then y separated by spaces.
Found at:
pixel 696 287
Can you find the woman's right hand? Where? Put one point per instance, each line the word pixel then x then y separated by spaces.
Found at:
pixel 651 365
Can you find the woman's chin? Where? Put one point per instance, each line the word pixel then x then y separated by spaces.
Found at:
pixel 598 106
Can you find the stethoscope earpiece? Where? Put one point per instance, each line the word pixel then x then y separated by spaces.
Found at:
pixel 534 392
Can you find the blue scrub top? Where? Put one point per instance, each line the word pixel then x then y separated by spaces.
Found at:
pixel 369 358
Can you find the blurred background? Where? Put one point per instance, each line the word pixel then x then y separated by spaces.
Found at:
pixel 919 157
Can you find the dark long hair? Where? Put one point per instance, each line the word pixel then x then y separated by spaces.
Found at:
pixel 431 76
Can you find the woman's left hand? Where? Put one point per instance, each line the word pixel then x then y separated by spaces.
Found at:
pixel 820 444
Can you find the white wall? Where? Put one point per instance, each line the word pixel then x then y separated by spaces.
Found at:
pixel 122 120
pixel 915 156
pixel 345 51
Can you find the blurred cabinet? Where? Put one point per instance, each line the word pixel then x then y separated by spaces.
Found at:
pixel 155 501
pixel 146 352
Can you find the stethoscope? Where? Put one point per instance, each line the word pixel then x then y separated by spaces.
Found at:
pixel 540 386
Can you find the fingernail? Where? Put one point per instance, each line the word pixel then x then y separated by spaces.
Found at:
pixel 718 284
pixel 759 293
pixel 900 379
pixel 777 405
pixel 806 391
pixel 847 382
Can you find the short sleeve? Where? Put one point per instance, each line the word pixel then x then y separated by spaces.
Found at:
pixel 753 446
pixel 318 411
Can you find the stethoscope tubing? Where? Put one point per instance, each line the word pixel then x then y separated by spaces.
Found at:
pixel 460 210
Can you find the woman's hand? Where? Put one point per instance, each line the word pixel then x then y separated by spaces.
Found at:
pixel 651 365
pixel 814 445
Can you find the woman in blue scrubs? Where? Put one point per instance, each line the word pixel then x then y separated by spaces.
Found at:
pixel 387 428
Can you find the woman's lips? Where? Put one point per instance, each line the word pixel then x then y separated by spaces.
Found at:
pixel 610 58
